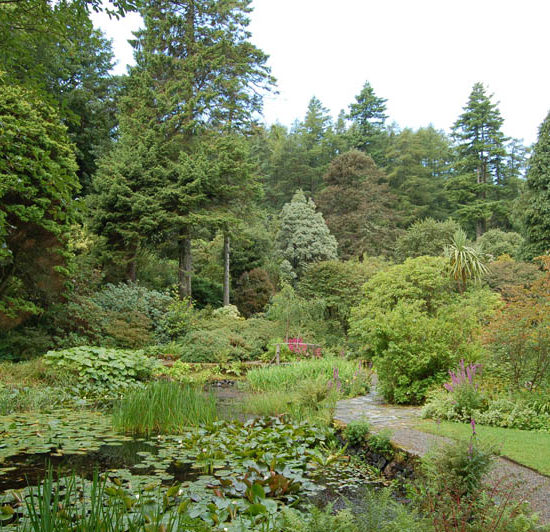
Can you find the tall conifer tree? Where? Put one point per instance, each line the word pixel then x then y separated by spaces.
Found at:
pixel 537 213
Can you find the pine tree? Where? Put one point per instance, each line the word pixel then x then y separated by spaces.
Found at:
pixel 480 193
pixel 368 117
pixel 536 220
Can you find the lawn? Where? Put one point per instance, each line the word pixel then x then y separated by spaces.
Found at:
pixel 529 448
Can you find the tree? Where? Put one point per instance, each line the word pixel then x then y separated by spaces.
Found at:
pixel 536 218
pixel 52 48
pixel 303 234
pixel 359 208
pixel 480 192
pixel 37 183
pixel 368 117
pixel 196 75
pixel 417 166
pixel 495 243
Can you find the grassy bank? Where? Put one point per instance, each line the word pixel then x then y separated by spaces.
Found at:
pixel 528 448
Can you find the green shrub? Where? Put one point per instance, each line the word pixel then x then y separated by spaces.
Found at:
pixel 163 407
pixel 380 442
pixel 206 292
pixel 356 432
pixel 99 370
pixel 415 328
pixel 497 243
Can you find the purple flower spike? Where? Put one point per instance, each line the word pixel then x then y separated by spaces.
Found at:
pixel 473 424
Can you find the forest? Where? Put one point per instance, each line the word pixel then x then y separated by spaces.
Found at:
pixel 157 236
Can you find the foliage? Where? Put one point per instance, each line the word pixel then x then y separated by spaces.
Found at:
pixel 293 314
pixel 536 216
pixel 163 408
pixel 102 371
pixel 32 398
pixel 348 377
pixel 426 237
pixel 486 180
pixel 38 181
pixel 519 335
pixel 505 273
pixel 495 243
pixel 224 339
pixel 253 291
pixel 303 234
pixel 456 494
pixel 418 164
pixel 415 328
pixel 356 432
pixel 380 442
pixel 360 210
pixel 378 511
pixel 466 262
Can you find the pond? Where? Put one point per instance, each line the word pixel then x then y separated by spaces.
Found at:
pixel 285 463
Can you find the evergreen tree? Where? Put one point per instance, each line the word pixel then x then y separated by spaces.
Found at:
pixel 368 117
pixel 360 210
pixel 418 164
pixel 196 74
pixel 303 234
pixel 536 221
pixel 480 192
pixel 37 183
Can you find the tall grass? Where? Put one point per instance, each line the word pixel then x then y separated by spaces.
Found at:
pixel 163 407
pixel 345 375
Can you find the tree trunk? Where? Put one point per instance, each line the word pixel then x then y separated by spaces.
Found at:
pixel 226 278
pixel 184 267
pixel 131 270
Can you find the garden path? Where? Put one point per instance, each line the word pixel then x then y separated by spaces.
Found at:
pixel 531 486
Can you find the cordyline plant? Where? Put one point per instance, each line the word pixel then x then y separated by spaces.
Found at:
pixel 466 261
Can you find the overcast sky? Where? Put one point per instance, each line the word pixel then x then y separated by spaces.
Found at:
pixel 422 55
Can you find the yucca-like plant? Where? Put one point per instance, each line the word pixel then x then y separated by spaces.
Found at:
pixel 466 261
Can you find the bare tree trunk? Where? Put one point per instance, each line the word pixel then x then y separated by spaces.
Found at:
pixel 185 264
pixel 226 278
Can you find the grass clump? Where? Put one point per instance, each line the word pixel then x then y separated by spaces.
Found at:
pixel 165 408
pixel 347 377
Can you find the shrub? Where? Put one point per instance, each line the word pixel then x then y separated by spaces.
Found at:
pixel 519 335
pixel 164 408
pixel 414 326
pixel 505 273
pixel 426 237
pixel 338 284
pixel 380 442
pixel 356 432
pixel 99 370
pixel 496 243
pixel 206 292
pixel 253 291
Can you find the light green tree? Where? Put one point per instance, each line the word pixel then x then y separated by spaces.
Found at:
pixel 37 183
pixel 303 235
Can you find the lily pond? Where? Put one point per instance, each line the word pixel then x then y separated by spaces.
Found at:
pixel 70 466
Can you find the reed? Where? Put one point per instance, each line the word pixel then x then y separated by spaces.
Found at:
pixel 163 407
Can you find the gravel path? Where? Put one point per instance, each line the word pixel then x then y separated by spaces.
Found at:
pixel 531 486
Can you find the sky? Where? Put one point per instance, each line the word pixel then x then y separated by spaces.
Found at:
pixel 423 56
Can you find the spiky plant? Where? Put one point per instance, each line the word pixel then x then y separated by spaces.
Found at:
pixel 466 262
